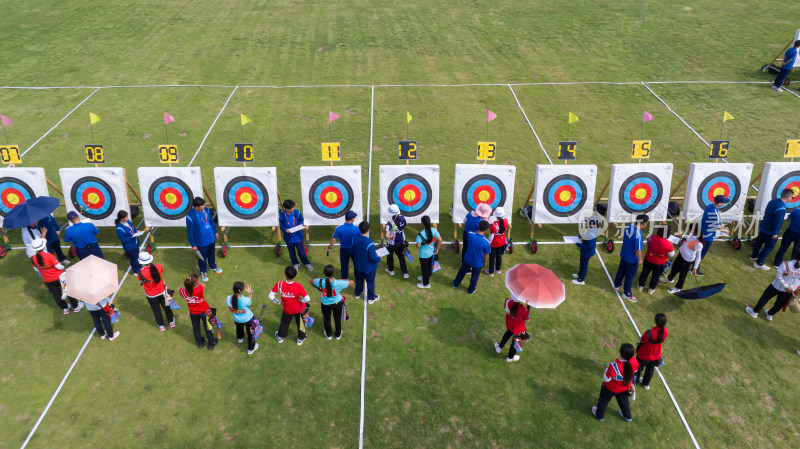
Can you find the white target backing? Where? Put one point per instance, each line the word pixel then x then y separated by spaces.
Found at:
pixel 490 184
pixel 562 192
pixel 638 189
pixel 776 177
pixel 707 180
pixel 413 188
pixel 246 197
pixel 96 193
pixel 167 194
pixel 329 192
pixel 19 184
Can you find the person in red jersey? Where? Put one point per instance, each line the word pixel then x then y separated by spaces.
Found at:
pixel 659 250
pixel 192 292
pixel 618 383
pixel 52 271
pixel 516 316
pixel 152 279
pixel 648 354
pixel 294 299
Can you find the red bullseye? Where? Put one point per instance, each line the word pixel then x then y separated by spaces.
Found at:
pixel 483 194
pixel 246 197
pixel 641 193
pixel 410 195
pixel 93 198
pixel 12 197
pixel 565 195
pixel 170 198
pixel 719 188
pixel 331 197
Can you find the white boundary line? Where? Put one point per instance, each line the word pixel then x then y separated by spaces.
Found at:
pixel 529 124
pixel 212 126
pixel 674 402
pixel 676 114
pixel 74 362
pixel 59 122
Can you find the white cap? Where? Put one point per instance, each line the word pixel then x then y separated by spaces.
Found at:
pixel 393 209
pixel 499 212
pixel 39 244
pixel 145 258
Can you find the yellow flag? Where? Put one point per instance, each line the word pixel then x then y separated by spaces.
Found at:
pixel 245 119
pixel 93 118
pixel 408 117
pixel 572 118
pixel 726 117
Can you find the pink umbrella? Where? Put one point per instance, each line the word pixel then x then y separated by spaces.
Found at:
pixel 92 279
pixel 535 285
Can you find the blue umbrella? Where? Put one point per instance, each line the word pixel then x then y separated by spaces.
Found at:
pixel 700 292
pixel 30 212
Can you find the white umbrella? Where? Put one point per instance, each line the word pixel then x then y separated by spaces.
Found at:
pixel 92 279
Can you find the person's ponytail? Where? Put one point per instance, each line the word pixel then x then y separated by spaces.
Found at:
pixel 39 259
pixel 796 258
pixel 328 288
pixel 426 221
pixel 154 274
pixel 501 225
pixel 513 309
pixel 238 287
pixel 661 321
pixel 627 351
pixel 121 215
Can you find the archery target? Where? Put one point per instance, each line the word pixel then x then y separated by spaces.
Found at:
pixel 707 180
pixel 18 185
pixel 247 196
pixel 776 177
pixel 95 193
pixel 562 192
pixel 413 188
pixel 490 184
pixel 638 189
pixel 329 192
pixel 167 193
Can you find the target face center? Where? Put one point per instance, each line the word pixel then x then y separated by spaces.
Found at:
pixel 640 193
pixel 94 198
pixel 411 192
pixel 484 196
pixel 409 196
pixel 247 198
pixel 331 197
pixel 13 199
pixel 564 196
pixel 171 198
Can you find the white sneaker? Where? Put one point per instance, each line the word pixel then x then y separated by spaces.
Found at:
pixel 103 337
pixel 358 297
pixel 577 282
pixel 777 89
pixel 172 323
pixel 217 270
pixel 391 273
pixel 574 276
pixel 280 340
pixel 497 348
pixel 250 351
pixel 309 267
pixel 162 328
pixel 116 334
pixel 769 317
pixel 421 285
pixel 406 276
pixel 641 288
pixel 630 298
pixel 516 357
pixel 750 312
pixel 498 272
pixel 328 337
pixel 650 291
pixel 66 311
pixel 419 278
pixel 296 266
pixel 673 290
pixel 65 263
pixel 240 340
pixel 798 352
pixel 666 280
pixel 79 308
pixel 646 387
pixel 340 336
pixel 372 301
pixel 300 341
pixel 761 267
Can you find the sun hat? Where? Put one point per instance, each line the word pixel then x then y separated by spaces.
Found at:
pixel 393 209
pixel 500 212
pixel 39 244
pixel 145 258
pixel 483 210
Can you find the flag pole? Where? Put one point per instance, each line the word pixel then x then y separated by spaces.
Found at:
pixel 242 133
pixel 796 131
pixel 642 134
pixel 6 134
pixel 722 128
pixel 90 127
pixel 166 132
pixel 487 130
pixel 568 128
pixel 330 130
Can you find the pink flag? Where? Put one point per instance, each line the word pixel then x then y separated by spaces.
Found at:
pixel 646 117
pixel 5 120
pixel 168 118
pixel 492 116
pixel 331 117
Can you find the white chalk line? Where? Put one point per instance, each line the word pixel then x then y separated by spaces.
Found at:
pixel 59 122
pixel 639 334
pixel 212 126
pixel 74 362
pixel 529 124
pixel 676 114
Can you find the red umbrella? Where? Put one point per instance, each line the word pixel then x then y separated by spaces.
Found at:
pixel 535 285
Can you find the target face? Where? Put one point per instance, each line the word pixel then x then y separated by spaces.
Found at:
pixel 640 193
pixel 720 183
pixel 487 189
pixel 170 197
pixel 330 196
pixel 93 198
pixel 788 181
pixel 565 195
pixel 411 193
pixel 246 197
pixel 13 192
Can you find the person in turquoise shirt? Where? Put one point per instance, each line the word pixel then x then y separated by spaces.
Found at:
pixel 428 241
pixel 242 315
pixel 332 301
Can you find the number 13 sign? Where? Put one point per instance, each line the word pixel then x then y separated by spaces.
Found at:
pixel 487 151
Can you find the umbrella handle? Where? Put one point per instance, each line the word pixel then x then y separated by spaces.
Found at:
pixel 695 281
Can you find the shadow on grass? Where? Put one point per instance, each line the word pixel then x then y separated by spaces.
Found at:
pixel 458 327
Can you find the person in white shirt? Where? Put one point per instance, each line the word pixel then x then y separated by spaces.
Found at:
pixel 688 258
pixel 786 282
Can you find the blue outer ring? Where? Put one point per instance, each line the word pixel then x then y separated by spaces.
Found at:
pixel 229 195
pixel 424 189
pixel 550 190
pixel 154 193
pixel 493 182
pixel 656 192
pixel 339 184
pixel 76 195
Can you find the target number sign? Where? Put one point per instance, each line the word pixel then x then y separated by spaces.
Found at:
pixel 487 151
pixel 331 151
pixel 719 149
pixel 243 152
pixel 641 149
pixel 10 154
pixel 567 150
pixel 168 154
pixel 407 150
pixel 94 154
pixel 792 148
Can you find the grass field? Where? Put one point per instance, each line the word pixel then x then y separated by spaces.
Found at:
pixel 431 378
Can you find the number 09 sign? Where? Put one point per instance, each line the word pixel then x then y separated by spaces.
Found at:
pixel 168 154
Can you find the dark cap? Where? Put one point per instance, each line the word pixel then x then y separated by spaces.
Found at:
pixel 71 215
pixel 720 199
pixel 349 215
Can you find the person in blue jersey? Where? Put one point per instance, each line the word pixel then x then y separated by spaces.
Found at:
pixel 587 247
pixel 239 305
pixel 786 66
pixel 475 257
pixel 366 263
pixel 710 224
pixel 396 241
pixel 346 233
pixel 428 241
pixel 630 256
pixel 790 237
pixel 288 219
pixel 482 212
pixel 51 231
pixel 202 233
pixel 83 237
pixel 130 243
pixel 332 303
pixel 770 229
